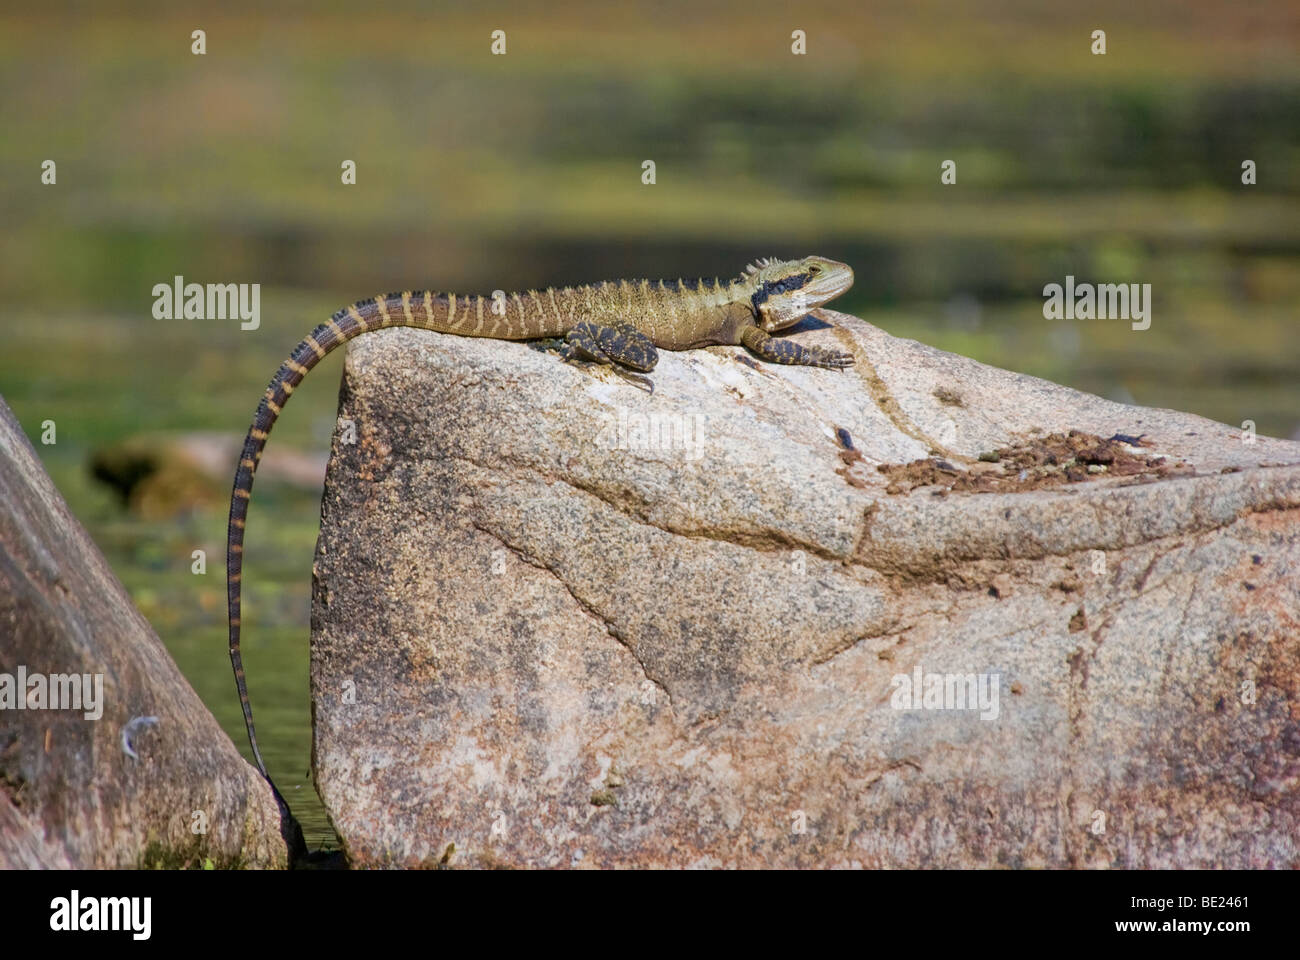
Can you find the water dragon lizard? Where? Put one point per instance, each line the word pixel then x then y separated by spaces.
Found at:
pixel 620 323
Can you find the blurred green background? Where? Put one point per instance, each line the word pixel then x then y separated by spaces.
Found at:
pixel 476 172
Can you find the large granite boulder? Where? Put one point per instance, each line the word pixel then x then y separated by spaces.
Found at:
pixel 561 621
pixel 135 772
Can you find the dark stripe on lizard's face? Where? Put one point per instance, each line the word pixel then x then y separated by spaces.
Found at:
pixel 784 285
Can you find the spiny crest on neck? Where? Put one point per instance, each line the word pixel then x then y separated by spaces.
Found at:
pixel 770 272
pixel 759 265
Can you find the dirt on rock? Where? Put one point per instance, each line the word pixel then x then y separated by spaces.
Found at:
pixel 1035 463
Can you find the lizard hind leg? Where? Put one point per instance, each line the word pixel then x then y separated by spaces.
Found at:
pixel 580 344
pixel 620 344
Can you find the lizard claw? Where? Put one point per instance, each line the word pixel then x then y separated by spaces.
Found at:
pixel 834 361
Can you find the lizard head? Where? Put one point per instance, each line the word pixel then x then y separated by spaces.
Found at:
pixel 785 290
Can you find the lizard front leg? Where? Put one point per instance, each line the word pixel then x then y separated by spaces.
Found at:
pixel 620 343
pixel 775 350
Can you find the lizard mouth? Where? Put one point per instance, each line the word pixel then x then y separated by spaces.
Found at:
pixel 830 281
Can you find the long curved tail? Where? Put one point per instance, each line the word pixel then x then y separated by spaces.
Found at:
pixel 312 349
pixel 447 313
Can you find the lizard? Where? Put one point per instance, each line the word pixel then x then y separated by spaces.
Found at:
pixel 622 323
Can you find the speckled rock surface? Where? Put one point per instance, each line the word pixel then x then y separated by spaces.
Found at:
pixel 70 794
pixel 560 621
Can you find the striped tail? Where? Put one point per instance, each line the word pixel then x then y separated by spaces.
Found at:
pixel 515 319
